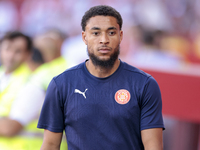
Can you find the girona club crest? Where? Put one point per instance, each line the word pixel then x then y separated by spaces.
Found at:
pixel 122 96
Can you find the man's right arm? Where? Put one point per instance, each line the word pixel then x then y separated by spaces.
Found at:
pixel 52 140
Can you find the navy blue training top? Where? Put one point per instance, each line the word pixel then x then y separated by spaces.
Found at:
pixel 102 113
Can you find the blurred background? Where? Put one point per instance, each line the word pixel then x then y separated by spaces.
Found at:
pixel 161 37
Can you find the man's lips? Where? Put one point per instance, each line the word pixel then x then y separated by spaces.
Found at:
pixel 104 49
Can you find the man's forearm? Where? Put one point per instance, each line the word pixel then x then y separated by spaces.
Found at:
pixel 152 139
pixel 9 128
pixel 51 141
pixel 49 147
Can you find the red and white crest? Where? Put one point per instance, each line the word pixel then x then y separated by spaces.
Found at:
pixel 122 96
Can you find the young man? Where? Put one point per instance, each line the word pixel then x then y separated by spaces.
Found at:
pixel 103 103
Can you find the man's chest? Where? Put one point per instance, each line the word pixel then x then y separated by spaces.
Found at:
pixel 4 82
pixel 105 100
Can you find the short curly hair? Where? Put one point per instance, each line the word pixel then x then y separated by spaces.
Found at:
pixel 101 10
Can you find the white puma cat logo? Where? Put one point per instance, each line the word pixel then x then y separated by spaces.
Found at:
pixel 83 93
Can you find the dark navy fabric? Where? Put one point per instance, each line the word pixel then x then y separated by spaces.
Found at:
pixel 85 107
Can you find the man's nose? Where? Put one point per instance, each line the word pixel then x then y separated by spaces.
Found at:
pixel 10 55
pixel 104 39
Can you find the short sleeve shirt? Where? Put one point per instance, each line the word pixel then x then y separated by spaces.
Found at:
pixel 102 113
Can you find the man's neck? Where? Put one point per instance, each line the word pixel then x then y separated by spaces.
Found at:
pixel 8 72
pixel 101 72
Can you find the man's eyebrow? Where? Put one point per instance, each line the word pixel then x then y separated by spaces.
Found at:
pixel 112 28
pixel 95 28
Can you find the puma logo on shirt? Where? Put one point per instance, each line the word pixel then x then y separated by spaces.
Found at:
pixel 83 93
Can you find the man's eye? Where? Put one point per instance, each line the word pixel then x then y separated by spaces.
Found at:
pixel 112 33
pixel 95 33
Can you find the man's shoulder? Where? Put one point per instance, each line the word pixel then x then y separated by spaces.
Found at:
pixel 134 70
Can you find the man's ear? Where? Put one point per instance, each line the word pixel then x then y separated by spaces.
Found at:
pixel 121 35
pixel 84 37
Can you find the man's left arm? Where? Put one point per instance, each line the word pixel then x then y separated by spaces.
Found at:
pixel 9 127
pixel 151 116
pixel 24 110
pixel 152 138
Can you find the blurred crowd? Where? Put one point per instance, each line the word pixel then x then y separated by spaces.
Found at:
pixel 27 68
pixel 168 28
pixel 42 38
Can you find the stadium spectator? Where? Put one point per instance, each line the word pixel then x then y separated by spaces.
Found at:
pixel 32 95
pixel 14 73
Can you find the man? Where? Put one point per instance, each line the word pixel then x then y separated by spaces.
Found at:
pixel 14 51
pixel 31 97
pixel 49 43
pixel 103 103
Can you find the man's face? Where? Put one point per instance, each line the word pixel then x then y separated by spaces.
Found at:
pixel 102 36
pixel 13 53
pixel 48 46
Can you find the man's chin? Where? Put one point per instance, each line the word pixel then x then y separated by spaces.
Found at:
pixel 105 61
pixel 104 58
pixel 11 68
